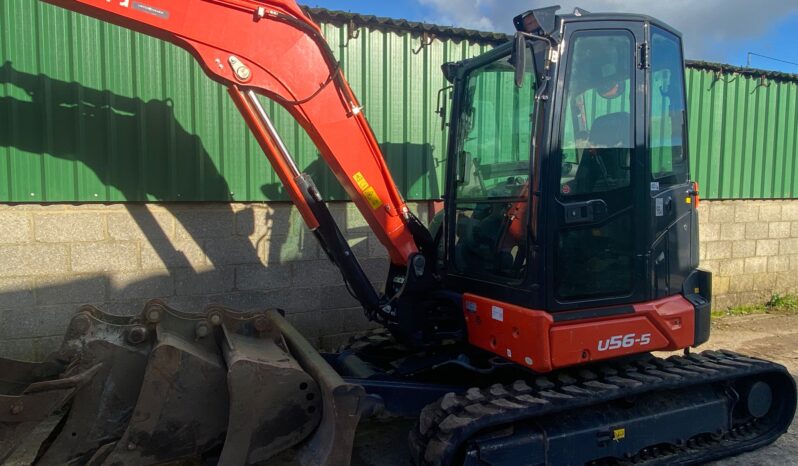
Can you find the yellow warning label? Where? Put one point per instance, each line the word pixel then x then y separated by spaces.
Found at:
pixel 361 181
pixel 618 434
pixel 688 200
pixel 368 192
pixel 373 199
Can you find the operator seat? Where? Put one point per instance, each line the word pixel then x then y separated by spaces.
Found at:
pixel 605 163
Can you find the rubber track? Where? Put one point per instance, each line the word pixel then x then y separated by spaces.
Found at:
pixel 445 426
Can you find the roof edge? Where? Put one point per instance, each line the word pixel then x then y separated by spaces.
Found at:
pixel 725 68
pixel 402 26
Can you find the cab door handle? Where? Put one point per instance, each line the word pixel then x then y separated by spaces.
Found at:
pixel 584 212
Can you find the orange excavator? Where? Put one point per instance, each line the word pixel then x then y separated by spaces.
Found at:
pixel 518 328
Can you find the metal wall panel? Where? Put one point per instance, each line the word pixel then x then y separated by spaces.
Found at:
pixel 90 112
pixel 93 112
pixel 743 135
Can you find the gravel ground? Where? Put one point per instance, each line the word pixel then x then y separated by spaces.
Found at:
pixel 770 337
pixel 765 336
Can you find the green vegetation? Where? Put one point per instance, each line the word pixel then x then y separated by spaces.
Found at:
pixel 778 304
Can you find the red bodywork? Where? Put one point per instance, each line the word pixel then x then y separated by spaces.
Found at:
pixel 286 60
pixel 534 340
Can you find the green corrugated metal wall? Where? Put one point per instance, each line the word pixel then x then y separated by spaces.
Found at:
pixel 743 135
pixel 92 112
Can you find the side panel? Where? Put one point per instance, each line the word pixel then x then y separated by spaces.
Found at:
pixel 535 340
pixel 513 332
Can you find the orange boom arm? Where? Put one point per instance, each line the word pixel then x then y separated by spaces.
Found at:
pixel 274 49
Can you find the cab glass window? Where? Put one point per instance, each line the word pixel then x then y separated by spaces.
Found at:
pixel 494 146
pixel 596 136
pixel 668 157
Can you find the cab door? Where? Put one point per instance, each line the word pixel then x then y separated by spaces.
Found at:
pixel 598 170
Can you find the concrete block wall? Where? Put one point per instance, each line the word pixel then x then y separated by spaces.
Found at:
pixel 245 256
pixel 255 256
pixel 751 247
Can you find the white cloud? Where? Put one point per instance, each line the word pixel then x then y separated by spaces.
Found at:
pixel 472 14
pixel 705 24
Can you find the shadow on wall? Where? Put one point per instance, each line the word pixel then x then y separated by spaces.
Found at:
pixel 410 164
pixel 234 243
pixel 354 226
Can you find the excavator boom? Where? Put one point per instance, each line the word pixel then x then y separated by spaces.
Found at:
pixel 166 384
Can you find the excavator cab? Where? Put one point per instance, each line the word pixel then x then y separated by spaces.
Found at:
pixel 568 183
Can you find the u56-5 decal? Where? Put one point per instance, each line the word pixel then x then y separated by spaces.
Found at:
pixel 624 341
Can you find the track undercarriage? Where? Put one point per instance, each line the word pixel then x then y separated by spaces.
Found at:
pixel 643 410
pixel 681 410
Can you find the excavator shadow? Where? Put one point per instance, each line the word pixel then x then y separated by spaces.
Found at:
pixel 190 248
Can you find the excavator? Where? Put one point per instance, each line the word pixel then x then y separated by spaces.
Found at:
pixel 518 328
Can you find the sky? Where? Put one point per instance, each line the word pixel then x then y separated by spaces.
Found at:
pixel 722 31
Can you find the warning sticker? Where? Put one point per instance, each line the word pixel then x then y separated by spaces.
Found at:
pixel 372 197
pixel 368 192
pixel 361 181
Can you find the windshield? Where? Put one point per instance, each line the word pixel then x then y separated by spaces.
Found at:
pixel 495 132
